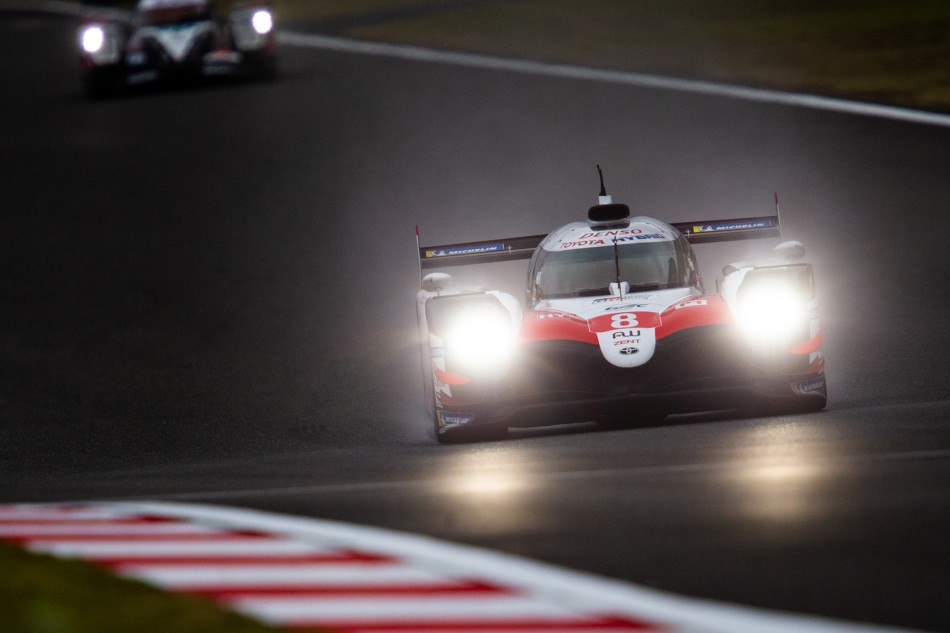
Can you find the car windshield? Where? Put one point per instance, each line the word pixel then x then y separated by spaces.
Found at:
pixel 158 13
pixel 590 271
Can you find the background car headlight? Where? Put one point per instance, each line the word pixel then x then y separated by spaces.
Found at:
pixel 480 338
pixel 771 312
pixel 93 39
pixel 262 21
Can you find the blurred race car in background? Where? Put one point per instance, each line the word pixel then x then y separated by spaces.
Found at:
pixel 617 328
pixel 174 41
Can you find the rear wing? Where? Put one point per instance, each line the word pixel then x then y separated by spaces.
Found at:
pixel 514 248
pixel 723 230
pixel 483 252
pixel 737 229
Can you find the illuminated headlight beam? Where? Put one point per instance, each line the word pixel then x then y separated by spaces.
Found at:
pixel 771 312
pixel 480 338
pixel 262 21
pixel 93 39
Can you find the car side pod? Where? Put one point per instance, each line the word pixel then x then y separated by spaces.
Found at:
pixel 775 305
pixel 101 42
pixel 252 27
pixel 467 338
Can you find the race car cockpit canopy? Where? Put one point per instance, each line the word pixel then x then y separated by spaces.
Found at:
pixel 579 260
pixel 158 12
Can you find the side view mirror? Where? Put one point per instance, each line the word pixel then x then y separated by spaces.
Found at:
pixel 790 250
pixel 437 282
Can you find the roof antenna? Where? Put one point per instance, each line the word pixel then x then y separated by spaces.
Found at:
pixel 778 215
pixel 603 198
pixel 617 267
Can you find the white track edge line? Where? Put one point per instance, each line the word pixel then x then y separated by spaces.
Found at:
pixel 642 80
pixel 618 596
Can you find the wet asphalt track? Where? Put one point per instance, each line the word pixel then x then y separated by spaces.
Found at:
pixel 207 295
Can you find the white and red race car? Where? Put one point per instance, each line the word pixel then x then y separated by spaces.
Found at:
pixel 617 328
pixel 175 41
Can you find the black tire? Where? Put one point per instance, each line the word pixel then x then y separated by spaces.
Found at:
pixel 811 403
pixel 469 434
pixel 268 70
pixel 261 66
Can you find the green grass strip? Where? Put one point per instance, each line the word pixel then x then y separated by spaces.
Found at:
pixel 43 594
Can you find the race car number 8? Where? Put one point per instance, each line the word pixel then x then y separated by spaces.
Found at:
pixel 624 320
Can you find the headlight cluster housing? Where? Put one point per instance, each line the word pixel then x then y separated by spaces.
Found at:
pixel 252 27
pixel 262 21
pixel 478 334
pixel 101 42
pixel 93 39
pixel 772 305
pixel 479 337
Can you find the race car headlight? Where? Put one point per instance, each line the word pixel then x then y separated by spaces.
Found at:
pixel 480 338
pixel 771 312
pixel 93 39
pixel 262 21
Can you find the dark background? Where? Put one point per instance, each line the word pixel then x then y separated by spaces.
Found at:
pixel 209 295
